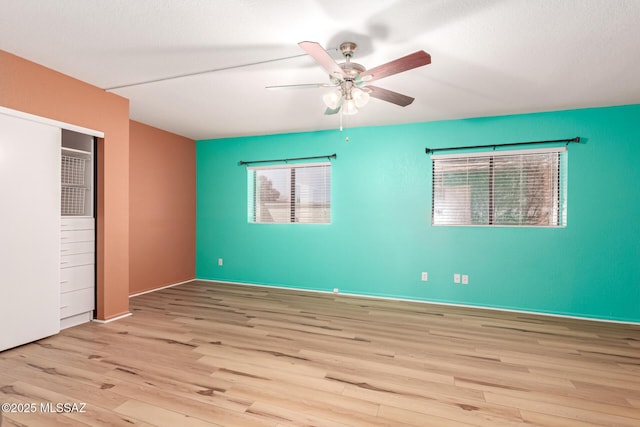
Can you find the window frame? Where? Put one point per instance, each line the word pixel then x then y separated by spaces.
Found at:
pixel 558 208
pixel 253 205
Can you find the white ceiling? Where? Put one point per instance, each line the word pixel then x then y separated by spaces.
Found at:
pixel 489 57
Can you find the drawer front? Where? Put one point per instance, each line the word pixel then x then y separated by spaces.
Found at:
pixel 77 224
pixel 71 236
pixel 77 248
pixel 76 302
pixel 76 278
pixel 76 260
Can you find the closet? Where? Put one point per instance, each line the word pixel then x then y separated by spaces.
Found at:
pixel 43 288
pixel 77 229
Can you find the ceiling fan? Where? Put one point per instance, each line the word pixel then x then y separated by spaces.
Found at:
pixel 351 80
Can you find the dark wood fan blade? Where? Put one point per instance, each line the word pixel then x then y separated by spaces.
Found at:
pixel 323 58
pixel 409 62
pixel 302 86
pixel 390 96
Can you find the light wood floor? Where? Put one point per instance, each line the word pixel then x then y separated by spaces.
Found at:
pixel 204 354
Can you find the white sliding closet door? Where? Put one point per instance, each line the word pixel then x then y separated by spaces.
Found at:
pixel 29 231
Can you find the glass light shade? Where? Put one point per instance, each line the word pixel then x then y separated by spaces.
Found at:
pixel 360 97
pixel 332 99
pixel 349 107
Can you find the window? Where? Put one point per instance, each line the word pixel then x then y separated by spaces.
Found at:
pixel 512 188
pixel 298 193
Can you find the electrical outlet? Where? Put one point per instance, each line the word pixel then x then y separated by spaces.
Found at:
pixel 425 276
pixel 465 279
pixel 336 290
pixel 456 278
pixel 220 262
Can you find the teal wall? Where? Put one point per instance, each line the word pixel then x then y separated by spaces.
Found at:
pixel 381 237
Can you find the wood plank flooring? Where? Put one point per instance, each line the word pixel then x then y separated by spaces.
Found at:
pixel 207 354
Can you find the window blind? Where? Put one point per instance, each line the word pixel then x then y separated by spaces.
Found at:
pixel 299 193
pixel 511 188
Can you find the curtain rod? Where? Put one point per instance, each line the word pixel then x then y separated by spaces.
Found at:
pixel 328 156
pixel 509 144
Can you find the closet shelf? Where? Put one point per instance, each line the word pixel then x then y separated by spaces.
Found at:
pixel 75 150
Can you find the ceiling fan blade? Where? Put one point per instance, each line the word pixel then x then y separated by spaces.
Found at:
pixel 390 96
pixel 330 111
pixel 409 62
pixel 301 86
pixel 323 58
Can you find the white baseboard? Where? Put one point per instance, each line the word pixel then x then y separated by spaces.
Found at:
pixel 479 307
pixel 163 287
pixel 122 316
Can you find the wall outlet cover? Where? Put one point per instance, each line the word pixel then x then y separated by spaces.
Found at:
pixel 456 278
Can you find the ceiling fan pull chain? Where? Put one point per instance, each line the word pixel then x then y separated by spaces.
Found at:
pixel 346 138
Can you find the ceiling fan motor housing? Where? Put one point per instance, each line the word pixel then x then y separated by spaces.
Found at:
pixel 351 69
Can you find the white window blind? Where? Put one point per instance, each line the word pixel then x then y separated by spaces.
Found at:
pixel 511 188
pixel 299 193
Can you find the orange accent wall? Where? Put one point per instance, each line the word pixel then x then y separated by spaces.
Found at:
pixel 32 88
pixel 162 199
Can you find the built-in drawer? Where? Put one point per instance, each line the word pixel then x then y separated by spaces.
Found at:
pixel 67 223
pixel 77 248
pixel 77 259
pixel 75 278
pixel 76 302
pixel 71 236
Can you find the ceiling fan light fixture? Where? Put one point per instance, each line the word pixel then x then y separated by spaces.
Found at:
pixel 349 107
pixel 360 97
pixel 332 99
